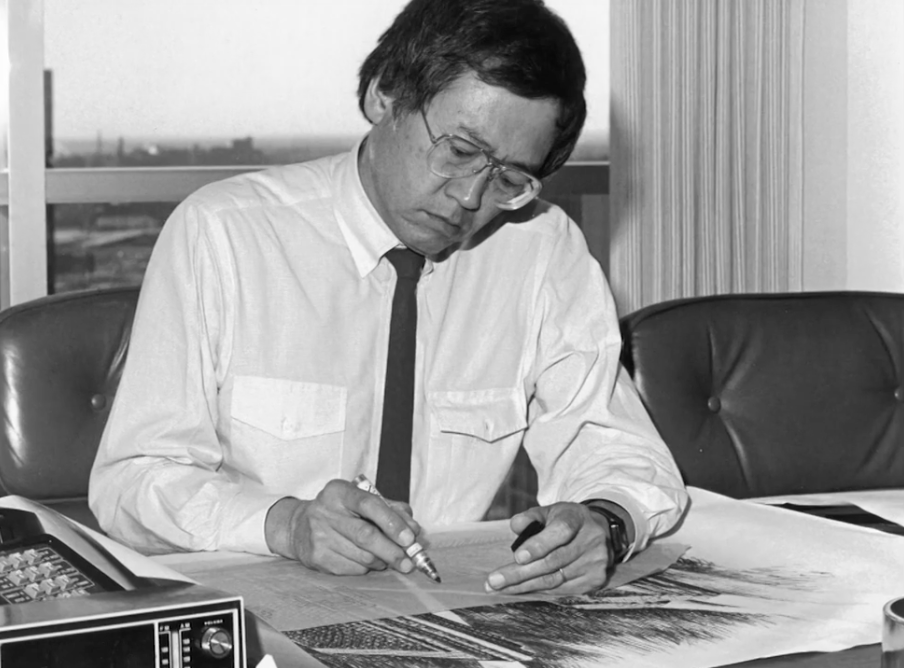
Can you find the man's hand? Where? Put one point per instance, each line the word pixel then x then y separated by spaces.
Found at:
pixel 343 531
pixel 571 555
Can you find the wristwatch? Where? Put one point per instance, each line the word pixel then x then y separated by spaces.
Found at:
pixel 618 533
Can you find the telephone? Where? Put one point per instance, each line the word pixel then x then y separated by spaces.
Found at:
pixel 39 559
pixel 66 601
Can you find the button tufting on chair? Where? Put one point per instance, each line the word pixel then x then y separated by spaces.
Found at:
pixel 51 349
pixel 797 375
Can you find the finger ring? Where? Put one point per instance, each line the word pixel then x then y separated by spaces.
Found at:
pixel 564 577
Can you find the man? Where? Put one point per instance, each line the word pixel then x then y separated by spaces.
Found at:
pixel 254 389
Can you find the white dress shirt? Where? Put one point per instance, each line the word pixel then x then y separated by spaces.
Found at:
pixel 258 354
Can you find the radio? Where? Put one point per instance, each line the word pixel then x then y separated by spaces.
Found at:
pixel 66 602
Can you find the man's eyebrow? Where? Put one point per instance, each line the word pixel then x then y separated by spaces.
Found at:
pixel 475 136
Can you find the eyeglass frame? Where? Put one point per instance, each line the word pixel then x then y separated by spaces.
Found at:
pixel 495 164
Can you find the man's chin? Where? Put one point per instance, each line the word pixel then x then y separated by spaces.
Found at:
pixel 434 248
pixel 445 252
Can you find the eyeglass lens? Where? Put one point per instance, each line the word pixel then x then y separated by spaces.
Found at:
pixel 454 157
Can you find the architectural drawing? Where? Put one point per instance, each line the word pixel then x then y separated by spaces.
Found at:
pixel 695 601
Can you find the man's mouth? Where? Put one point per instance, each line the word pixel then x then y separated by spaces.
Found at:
pixel 448 221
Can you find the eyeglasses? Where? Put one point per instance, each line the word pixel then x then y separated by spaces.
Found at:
pixel 454 157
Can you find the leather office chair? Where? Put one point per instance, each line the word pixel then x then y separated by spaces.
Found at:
pixel 769 394
pixel 61 358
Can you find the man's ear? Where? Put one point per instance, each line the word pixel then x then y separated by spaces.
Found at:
pixel 377 104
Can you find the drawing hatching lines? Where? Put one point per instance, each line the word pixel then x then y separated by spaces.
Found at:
pixel 675 607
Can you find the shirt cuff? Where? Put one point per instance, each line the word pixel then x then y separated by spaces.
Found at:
pixel 243 523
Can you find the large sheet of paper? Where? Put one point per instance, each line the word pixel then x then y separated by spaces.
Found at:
pixel 757 581
pixel 290 597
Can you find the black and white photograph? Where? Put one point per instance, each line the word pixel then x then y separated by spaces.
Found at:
pixel 451 333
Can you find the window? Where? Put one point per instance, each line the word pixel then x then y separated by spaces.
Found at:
pixel 121 108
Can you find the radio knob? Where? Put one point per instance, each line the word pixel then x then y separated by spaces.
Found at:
pixel 216 642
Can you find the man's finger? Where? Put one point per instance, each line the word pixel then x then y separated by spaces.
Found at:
pixel 553 536
pixel 347 561
pixel 404 511
pixel 521 521
pixel 392 524
pixel 514 573
pixel 363 556
pixel 556 581
pixel 369 541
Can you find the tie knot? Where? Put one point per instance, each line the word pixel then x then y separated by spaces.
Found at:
pixel 407 263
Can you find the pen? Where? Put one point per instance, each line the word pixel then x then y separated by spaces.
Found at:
pixel 415 551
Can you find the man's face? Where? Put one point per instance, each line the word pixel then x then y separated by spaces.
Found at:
pixel 430 213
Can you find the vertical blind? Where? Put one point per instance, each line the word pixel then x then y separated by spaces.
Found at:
pixel 706 148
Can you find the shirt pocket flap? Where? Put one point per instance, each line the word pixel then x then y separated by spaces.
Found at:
pixel 485 414
pixel 289 409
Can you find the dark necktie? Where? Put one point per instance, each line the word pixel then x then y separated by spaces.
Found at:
pixel 394 463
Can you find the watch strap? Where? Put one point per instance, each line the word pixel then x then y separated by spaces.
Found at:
pixel 618 533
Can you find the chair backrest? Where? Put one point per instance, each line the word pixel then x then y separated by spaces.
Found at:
pixel 61 358
pixel 769 394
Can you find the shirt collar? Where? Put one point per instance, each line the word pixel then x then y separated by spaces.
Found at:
pixel 367 236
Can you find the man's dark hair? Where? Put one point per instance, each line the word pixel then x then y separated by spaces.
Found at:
pixel 520 45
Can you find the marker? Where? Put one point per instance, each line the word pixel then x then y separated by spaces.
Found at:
pixel 415 551
pixel 530 530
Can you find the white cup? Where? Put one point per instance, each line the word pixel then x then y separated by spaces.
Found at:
pixel 893 634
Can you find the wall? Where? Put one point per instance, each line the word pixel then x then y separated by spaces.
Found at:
pixel 854 145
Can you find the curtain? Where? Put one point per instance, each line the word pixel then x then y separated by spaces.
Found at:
pixel 706 148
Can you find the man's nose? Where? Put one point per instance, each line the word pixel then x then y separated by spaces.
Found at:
pixel 468 191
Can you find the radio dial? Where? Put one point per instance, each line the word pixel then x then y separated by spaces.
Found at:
pixel 216 642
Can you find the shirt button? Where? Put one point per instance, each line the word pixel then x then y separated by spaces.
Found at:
pixel 899 394
pixel 714 404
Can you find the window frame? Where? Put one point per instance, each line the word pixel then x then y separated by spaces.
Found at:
pixel 27 186
pixel 23 244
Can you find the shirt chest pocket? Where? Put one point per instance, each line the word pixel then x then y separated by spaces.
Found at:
pixel 287 435
pixel 289 410
pixel 473 440
pixel 484 415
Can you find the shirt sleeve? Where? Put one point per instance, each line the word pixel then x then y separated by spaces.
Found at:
pixel 157 483
pixel 589 435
